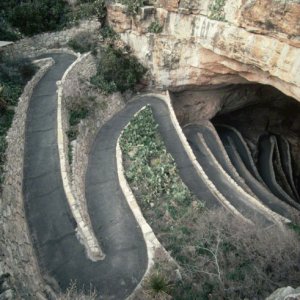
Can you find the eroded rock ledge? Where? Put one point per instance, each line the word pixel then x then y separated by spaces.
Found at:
pixel 250 44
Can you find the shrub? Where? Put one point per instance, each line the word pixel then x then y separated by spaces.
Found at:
pixel 11 93
pixel 158 284
pixel 117 71
pixel 72 134
pixel 108 33
pixel 16 70
pixel 155 27
pixel 37 16
pixel 6 32
pixel 83 42
pixel 14 73
pixel 76 115
pixel 133 5
pixel 88 9
pixel 217 10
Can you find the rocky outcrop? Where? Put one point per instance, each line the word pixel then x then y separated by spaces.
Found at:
pixel 244 42
pixel 285 293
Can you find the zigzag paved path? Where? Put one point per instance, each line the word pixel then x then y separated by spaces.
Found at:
pixel 51 224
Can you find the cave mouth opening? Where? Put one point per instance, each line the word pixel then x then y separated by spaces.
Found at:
pixel 255 110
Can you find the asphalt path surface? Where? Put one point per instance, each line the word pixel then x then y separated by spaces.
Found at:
pixel 266 169
pixel 286 161
pixel 215 145
pixel 261 192
pixel 238 198
pixel 241 146
pixel 52 226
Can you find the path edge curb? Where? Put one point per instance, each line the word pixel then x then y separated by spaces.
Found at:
pixel 151 241
pixel 84 231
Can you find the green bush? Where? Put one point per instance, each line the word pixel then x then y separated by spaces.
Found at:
pixel 108 33
pixel 16 70
pixel 117 71
pixel 155 27
pixel 88 9
pixel 6 32
pixel 132 5
pixel 83 42
pixel 77 114
pixel 217 10
pixel 37 16
pixel 158 284
pixel 11 93
pixel 14 73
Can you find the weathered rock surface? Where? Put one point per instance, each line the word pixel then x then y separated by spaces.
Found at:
pixel 285 293
pixel 251 43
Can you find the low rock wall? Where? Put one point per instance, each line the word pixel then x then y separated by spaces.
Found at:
pixel 38 44
pixel 17 258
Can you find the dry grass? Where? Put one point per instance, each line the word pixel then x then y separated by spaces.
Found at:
pixel 233 260
pixel 73 293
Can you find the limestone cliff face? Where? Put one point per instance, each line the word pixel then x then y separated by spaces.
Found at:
pixel 206 42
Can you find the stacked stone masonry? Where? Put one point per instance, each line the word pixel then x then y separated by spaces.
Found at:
pixel 17 260
pixel 41 43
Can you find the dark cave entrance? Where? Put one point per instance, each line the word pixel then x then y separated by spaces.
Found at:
pixel 254 109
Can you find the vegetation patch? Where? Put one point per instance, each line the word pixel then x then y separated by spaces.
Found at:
pixel 155 27
pixel 84 42
pixel 30 17
pixel 151 170
pixel 108 33
pixel 87 9
pixel 7 33
pixel 117 71
pixel 75 116
pixel 133 6
pixel 217 10
pixel 37 16
pixel 219 256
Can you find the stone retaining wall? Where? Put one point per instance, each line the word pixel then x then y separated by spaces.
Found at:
pixel 17 256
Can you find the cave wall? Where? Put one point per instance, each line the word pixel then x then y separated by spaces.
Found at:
pixel 251 41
